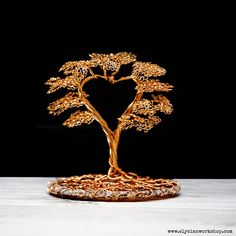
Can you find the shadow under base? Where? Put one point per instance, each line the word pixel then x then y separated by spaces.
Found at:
pixel 98 187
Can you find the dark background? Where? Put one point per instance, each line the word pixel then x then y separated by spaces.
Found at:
pixel 193 142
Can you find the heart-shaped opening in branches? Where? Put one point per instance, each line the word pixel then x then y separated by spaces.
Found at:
pixel 110 100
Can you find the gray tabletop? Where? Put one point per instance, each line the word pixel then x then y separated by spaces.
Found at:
pixel 203 204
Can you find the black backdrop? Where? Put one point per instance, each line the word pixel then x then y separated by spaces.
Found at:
pixel 186 144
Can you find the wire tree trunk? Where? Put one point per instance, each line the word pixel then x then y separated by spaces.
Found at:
pixel 113 142
pixel 113 137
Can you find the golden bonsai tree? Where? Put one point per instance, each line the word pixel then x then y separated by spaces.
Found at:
pixel 141 114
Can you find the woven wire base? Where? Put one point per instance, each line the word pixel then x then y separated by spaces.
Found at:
pixel 97 187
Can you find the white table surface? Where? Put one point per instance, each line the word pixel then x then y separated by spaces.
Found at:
pixel 203 204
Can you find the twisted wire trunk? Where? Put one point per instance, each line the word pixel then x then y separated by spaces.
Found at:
pixel 113 138
pixel 113 142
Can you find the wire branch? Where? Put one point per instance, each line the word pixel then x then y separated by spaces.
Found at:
pixel 123 79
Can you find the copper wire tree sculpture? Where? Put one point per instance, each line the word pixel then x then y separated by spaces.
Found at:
pixel 117 185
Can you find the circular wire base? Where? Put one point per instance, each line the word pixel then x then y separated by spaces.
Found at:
pixel 98 187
